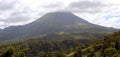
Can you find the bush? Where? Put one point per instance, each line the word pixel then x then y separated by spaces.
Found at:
pixel 8 53
pixel 110 51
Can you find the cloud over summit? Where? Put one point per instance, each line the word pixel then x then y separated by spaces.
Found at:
pixel 19 12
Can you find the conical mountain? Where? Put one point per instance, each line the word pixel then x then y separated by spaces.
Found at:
pixel 52 23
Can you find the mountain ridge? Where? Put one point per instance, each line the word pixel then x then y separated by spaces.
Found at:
pixel 52 23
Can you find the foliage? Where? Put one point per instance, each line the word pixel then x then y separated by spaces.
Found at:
pixel 109 46
pixel 109 52
pixel 8 52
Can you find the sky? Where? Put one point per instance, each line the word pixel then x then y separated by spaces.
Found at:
pixel 20 12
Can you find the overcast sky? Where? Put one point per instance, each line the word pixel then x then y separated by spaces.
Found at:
pixel 19 12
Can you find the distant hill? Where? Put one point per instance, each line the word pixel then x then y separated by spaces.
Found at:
pixel 66 36
pixel 52 23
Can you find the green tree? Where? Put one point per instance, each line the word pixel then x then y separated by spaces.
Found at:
pixel 8 53
pixel 110 51
pixel 91 54
pixel 21 54
pixel 78 53
pixel 117 44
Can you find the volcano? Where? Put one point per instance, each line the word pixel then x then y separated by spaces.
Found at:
pixel 52 23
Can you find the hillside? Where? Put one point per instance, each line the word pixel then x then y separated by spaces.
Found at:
pixel 52 23
pixel 108 46
pixel 54 42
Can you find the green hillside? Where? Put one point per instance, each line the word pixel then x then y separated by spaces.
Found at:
pixel 42 46
pixel 107 47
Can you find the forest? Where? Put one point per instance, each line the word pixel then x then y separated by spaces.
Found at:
pixel 107 46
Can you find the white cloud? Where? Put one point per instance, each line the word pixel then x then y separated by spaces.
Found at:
pixel 7 4
pixel 18 12
pixel 112 22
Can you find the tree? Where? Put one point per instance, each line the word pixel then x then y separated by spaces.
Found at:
pixel 8 53
pixel 21 54
pixel 110 51
pixel 78 53
pixel 58 54
pixel 117 44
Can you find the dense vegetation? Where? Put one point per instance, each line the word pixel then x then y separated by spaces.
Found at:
pixel 109 46
pixel 42 45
